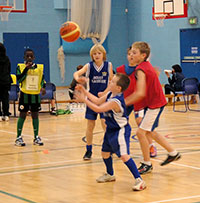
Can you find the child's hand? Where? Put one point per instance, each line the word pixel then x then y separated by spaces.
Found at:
pixel 29 64
pixel 82 80
pixel 80 88
pixel 79 96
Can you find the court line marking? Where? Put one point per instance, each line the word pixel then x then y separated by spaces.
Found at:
pixel 47 168
pixel 181 198
pixel 16 197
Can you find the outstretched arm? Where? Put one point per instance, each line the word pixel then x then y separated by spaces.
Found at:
pixel 90 96
pixel 104 107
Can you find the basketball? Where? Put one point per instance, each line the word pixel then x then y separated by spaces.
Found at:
pixel 70 31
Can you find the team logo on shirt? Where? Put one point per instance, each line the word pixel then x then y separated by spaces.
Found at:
pixel 104 73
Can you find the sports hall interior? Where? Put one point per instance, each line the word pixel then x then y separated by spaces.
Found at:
pixel 56 172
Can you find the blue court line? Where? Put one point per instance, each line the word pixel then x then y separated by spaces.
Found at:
pixel 134 137
pixel 17 197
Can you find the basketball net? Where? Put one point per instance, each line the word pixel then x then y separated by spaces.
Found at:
pixel 159 18
pixel 4 13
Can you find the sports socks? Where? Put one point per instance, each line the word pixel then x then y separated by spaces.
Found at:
pixel 174 153
pixel 89 148
pixel 109 165
pixel 20 124
pixel 133 168
pixel 35 122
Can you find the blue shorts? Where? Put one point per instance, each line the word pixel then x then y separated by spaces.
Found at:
pixel 117 141
pixel 91 115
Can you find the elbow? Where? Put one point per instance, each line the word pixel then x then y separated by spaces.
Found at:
pixel 141 95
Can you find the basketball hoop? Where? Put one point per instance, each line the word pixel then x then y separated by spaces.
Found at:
pixel 159 18
pixel 4 12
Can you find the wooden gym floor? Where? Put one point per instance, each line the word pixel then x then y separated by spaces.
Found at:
pixel 56 173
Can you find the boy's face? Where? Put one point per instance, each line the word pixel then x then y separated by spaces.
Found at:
pixel 130 58
pixel 113 85
pixel 97 56
pixel 137 56
pixel 29 56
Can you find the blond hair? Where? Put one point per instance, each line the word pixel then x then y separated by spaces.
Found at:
pixel 98 47
pixel 143 47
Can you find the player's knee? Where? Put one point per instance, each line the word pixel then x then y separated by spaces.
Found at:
pixel 105 155
pixel 125 157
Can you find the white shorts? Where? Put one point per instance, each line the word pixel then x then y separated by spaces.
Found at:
pixel 151 119
pixel 139 113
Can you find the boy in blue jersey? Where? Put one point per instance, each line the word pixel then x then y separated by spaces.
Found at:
pixel 99 72
pixel 118 130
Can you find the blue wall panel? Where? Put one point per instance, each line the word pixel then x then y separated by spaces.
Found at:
pixel 125 28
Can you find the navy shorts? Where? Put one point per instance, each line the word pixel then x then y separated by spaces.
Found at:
pixel 117 141
pixel 91 115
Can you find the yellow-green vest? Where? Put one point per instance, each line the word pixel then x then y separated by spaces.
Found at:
pixel 33 75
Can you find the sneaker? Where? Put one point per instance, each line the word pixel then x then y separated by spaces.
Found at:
pixel 105 178
pixel 170 159
pixel 144 168
pixel 38 141
pixel 88 155
pixel 139 184
pixel 6 118
pixel 1 118
pixel 20 142
pixel 53 111
pixel 153 151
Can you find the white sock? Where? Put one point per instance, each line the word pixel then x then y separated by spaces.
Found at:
pixel 147 163
pixel 174 153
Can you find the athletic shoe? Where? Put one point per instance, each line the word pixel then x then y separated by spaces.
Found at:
pixel 1 118
pixel 153 151
pixel 6 118
pixel 139 185
pixel 88 155
pixel 53 111
pixel 38 141
pixel 105 178
pixel 170 159
pixel 20 142
pixel 144 168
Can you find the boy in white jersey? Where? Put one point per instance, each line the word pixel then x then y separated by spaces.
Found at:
pixel 118 130
pixel 99 72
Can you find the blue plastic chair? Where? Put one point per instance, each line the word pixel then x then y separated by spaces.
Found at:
pixel 190 87
pixel 50 94
pixel 13 96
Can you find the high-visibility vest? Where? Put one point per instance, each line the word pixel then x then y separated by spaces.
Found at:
pixel 32 83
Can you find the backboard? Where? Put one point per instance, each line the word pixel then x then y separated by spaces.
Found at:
pixel 174 8
pixel 18 5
